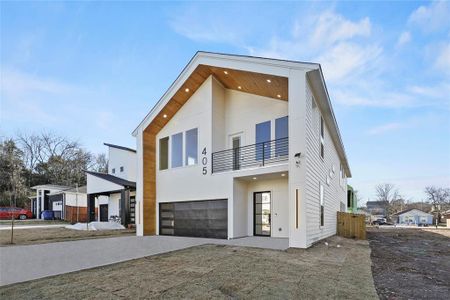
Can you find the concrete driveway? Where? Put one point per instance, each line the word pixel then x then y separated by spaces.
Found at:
pixel 23 263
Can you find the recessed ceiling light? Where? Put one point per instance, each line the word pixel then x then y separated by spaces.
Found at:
pixel 282 175
pixel 269 81
pixel 279 96
pixel 240 87
pixel 225 72
pixel 186 90
pixel 164 116
pixel 254 178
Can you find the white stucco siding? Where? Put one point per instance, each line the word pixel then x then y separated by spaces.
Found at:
pixel 122 158
pixel 73 200
pixel 98 185
pixel 317 170
pixel 114 205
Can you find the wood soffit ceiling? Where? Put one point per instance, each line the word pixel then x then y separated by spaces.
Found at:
pixel 243 81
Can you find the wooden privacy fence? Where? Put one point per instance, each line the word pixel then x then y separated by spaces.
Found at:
pixel 351 225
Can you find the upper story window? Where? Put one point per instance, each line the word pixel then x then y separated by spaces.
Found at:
pixel 183 151
pixel 191 147
pixel 164 153
pixel 177 150
pixel 113 170
pixel 322 139
pixel 262 135
pixel 281 133
pixel 121 169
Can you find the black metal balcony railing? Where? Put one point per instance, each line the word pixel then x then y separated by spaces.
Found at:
pixel 256 155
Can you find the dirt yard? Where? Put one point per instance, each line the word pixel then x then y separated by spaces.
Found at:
pixel 411 263
pixel 50 235
pixel 213 271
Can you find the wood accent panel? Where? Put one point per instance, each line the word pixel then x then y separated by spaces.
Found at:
pixel 250 82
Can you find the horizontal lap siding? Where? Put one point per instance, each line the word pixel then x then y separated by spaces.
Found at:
pixel 316 171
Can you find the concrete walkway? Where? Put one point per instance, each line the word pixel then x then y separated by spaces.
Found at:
pixel 8 227
pixel 23 263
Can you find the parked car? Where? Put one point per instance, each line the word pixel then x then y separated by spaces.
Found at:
pixel 381 222
pixel 16 212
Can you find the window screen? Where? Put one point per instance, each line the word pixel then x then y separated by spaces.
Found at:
pixel 164 153
pixel 191 147
pixel 177 150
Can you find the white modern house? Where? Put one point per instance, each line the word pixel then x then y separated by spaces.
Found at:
pixel 42 200
pixel 242 146
pixel 69 204
pixel 113 192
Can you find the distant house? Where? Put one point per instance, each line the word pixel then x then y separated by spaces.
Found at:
pixel 69 204
pixel 414 217
pixel 113 192
pixel 377 208
pixel 42 201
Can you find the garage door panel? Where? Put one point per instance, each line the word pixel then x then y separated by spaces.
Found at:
pixel 205 218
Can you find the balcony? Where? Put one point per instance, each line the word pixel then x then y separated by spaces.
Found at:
pixel 251 156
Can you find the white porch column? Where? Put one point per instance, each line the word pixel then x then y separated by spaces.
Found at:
pixel 297 144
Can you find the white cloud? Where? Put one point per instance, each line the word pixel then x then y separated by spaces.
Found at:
pixel 404 38
pixel 386 127
pixel 433 17
pixel 442 61
pixel 331 28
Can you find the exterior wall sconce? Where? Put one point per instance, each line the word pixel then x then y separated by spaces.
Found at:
pixel 297 157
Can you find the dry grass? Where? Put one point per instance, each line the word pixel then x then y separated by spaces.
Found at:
pixel 50 235
pixel 213 271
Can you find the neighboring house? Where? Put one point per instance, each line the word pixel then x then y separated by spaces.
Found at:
pixel 113 192
pixel 414 217
pixel 241 146
pixel 377 208
pixel 352 202
pixel 42 202
pixel 69 204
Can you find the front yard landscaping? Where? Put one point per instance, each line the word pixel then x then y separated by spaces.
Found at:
pixel 216 271
pixel 411 263
pixel 50 235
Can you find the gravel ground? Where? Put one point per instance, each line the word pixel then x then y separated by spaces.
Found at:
pixel 217 271
pixel 411 263
pixel 50 235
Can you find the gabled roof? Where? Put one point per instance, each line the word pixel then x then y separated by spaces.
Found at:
pixel 257 65
pixel 410 209
pixel 81 190
pixel 113 179
pixel 119 147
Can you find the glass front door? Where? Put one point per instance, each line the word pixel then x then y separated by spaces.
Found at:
pixel 262 216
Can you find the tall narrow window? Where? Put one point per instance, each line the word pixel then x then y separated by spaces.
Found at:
pixel 164 153
pixel 262 137
pixel 322 212
pixel 281 136
pixel 191 147
pixel 322 139
pixel 177 150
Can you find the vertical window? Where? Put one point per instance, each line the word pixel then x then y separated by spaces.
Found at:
pixel 177 150
pixel 164 153
pixel 113 171
pixel 121 169
pixel 281 135
pixel 191 147
pixel 322 134
pixel 322 221
pixel 262 136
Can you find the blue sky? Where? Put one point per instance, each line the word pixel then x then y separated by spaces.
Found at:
pixel 92 70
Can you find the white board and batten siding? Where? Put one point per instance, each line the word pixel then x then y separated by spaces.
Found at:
pixel 317 171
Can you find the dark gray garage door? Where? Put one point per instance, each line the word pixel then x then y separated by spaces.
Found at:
pixel 206 218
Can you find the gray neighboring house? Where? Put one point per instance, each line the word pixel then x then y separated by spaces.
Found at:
pixel 414 216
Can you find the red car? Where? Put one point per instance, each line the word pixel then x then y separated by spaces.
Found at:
pixel 17 212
